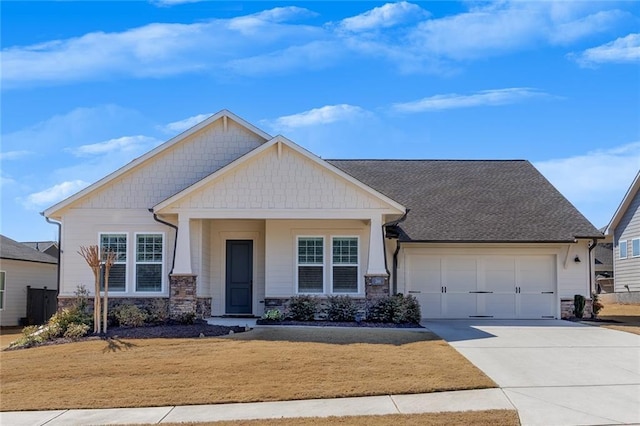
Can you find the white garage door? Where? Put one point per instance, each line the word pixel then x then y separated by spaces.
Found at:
pixel 518 286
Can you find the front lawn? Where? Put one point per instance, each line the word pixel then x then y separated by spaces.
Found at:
pixel 627 316
pixel 260 365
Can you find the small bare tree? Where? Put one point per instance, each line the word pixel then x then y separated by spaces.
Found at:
pixel 109 260
pixel 92 255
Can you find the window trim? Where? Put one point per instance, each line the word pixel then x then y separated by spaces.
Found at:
pixel 621 254
pixel 298 264
pixel 136 263
pixel 127 268
pixel 633 247
pixel 357 265
pixel 3 289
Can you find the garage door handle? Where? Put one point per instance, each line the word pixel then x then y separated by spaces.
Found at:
pixel 414 292
pixel 547 292
pixel 482 292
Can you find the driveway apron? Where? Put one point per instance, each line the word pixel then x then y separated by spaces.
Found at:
pixel 554 372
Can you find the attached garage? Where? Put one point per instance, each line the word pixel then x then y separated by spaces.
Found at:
pixel 501 286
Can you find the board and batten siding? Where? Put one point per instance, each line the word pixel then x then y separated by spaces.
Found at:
pixel 175 168
pixel 18 275
pixel 281 250
pixel 626 272
pixel 82 227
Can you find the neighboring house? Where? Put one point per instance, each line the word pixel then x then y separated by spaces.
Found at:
pixel 49 247
pixel 625 230
pixel 225 219
pixel 20 267
pixel 603 264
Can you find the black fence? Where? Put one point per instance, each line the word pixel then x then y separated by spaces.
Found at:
pixel 41 305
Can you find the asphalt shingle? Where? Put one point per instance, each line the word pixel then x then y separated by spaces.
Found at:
pixel 473 200
pixel 10 249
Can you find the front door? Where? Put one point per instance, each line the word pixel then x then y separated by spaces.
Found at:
pixel 239 277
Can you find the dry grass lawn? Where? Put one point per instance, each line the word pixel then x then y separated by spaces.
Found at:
pixel 260 365
pixel 627 316
pixel 476 418
pixel 8 335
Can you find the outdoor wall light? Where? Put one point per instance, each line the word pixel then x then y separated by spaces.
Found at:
pixel 577 259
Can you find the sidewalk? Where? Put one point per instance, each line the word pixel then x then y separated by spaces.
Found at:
pixel 482 399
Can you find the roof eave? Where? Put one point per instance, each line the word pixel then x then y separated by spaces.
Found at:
pixel 624 204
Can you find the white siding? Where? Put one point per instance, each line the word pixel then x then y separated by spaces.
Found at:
pixel 82 227
pixel 174 169
pixel 279 181
pixel 281 250
pixel 627 271
pixel 18 276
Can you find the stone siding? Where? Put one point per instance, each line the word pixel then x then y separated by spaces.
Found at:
pixel 182 295
pixel 376 286
pixel 566 308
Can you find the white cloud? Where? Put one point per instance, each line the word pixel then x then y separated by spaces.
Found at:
pixel 622 50
pixel 54 194
pixel 388 15
pixel 124 144
pixel 6 181
pixel 483 98
pixel 14 155
pixel 187 123
pixel 594 182
pixel 317 116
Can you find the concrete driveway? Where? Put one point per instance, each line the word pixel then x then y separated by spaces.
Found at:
pixel 554 372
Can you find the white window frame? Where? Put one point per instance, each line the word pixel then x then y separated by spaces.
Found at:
pixel 357 265
pixel 323 264
pixel 3 289
pixel 136 263
pixel 635 243
pixel 127 268
pixel 622 254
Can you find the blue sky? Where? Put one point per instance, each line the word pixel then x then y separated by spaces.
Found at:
pixel 89 86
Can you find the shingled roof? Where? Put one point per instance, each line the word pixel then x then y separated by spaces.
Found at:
pixel 10 249
pixel 473 200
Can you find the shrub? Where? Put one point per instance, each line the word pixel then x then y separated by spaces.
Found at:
pixel 578 305
pixel 82 298
pixel 76 331
pixel 302 308
pixel 273 315
pixel 31 336
pixel 186 318
pixel 61 320
pixel 129 315
pixel 341 308
pixel 396 309
pixel 596 304
pixel 158 311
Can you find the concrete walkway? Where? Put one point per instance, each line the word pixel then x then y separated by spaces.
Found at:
pixel 554 372
pixel 485 399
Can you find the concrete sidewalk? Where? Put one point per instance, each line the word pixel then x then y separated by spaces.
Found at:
pixel 482 399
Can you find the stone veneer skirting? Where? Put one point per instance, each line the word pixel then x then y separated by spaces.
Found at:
pixel 566 308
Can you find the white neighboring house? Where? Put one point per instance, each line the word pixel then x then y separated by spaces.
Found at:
pixel 225 219
pixel 22 266
pixel 625 230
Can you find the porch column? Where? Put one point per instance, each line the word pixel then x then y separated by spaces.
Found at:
pixel 376 250
pixel 182 264
pixel 376 280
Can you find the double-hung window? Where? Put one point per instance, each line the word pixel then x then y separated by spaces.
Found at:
pixel 635 247
pixel 310 264
pixel 116 243
pixel 344 267
pixel 622 247
pixel 149 250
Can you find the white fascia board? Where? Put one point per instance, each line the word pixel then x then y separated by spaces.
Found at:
pixel 400 209
pixel 51 211
pixel 359 214
pixel 624 204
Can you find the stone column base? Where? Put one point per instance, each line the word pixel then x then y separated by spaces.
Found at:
pixel 376 286
pixel 182 296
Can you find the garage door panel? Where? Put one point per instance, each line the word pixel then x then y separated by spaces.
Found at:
pixel 536 306
pixel 500 274
pixel 430 304
pixel 500 305
pixel 536 273
pixel 460 305
pixel 460 274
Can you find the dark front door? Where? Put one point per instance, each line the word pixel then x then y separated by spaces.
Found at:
pixel 239 279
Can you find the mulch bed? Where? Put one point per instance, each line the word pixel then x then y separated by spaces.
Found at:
pixel 339 324
pixel 172 331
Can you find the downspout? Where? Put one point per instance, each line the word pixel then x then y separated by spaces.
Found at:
pixel 395 253
pixel 594 243
pixel 175 240
pixel 59 225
